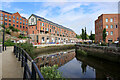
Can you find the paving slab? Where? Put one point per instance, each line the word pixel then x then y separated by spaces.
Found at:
pixel 11 67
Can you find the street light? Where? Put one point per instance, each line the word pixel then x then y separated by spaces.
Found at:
pixel 3 34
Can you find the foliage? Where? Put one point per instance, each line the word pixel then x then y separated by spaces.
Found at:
pixel 7 31
pixel 3 26
pixel 85 34
pixel 78 36
pixel 22 37
pixel 9 43
pixel 51 72
pixel 28 48
pixel 103 44
pixel 104 34
pixel 13 29
pixel 92 36
pixel 82 52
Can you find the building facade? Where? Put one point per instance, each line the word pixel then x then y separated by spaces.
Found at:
pixel 15 20
pixel 42 30
pixel 110 22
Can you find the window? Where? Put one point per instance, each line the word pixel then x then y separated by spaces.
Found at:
pixel 26 20
pixel 9 24
pixel 17 18
pixel 23 26
pixel 111 20
pixel 13 25
pixel 14 21
pixel 26 23
pixel 50 30
pixel 33 32
pixel 26 27
pixel 1 22
pixel 106 19
pixel 20 22
pixel 36 27
pixel 32 20
pixel 5 19
pixel 20 26
pixel 14 17
pixel 1 14
pixel 111 32
pixel 17 25
pixel 5 23
pixel 111 26
pixel 9 20
pixel 20 18
pixel 1 18
pixel 23 20
pixel 107 32
pixel 5 15
pixel 106 26
pixel 42 38
pixel 116 26
pixel 17 21
pixel 23 23
pixel 9 16
pixel 42 24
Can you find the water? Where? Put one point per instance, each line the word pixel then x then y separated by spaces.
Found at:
pixel 90 67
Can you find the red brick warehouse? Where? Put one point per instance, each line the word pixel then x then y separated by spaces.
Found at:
pixel 110 22
pixel 15 20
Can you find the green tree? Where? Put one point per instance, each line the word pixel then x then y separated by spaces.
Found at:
pixel 104 34
pixel 92 36
pixel 85 34
pixel 78 36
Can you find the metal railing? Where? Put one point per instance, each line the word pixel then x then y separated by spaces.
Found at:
pixel 30 72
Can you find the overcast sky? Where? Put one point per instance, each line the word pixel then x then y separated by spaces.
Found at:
pixel 74 15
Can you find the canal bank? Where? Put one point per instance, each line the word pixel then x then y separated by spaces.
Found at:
pixel 104 52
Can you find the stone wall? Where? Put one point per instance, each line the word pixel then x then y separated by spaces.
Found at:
pixel 104 52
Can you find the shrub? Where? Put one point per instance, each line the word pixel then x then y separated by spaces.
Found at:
pixel 51 72
pixel 7 31
pixel 28 48
pixel 9 43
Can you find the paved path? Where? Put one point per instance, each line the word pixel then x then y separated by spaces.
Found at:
pixel 11 67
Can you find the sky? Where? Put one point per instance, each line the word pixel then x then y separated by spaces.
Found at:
pixel 71 14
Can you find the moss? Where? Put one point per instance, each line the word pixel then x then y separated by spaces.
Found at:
pixel 82 52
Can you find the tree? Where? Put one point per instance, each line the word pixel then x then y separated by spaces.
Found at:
pixel 92 36
pixel 104 34
pixel 85 34
pixel 78 36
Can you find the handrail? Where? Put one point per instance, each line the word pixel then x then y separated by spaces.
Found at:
pixel 29 72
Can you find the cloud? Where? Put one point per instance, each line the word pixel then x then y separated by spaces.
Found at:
pixel 25 15
pixel 77 15
pixel 18 10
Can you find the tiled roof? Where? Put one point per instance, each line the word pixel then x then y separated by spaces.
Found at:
pixel 9 13
pixel 52 22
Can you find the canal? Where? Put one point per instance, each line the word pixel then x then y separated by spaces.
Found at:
pixel 90 67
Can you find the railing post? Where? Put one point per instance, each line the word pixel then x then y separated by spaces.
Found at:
pixel 25 68
pixel 5 47
pixel 22 59
pixel 33 71
pixel 19 54
pixel 16 51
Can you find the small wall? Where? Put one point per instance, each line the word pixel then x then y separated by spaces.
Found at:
pixel 104 52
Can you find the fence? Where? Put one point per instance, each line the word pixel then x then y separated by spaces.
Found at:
pixel 30 72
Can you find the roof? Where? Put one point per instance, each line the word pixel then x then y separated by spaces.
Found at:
pixel 53 23
pixel 10 13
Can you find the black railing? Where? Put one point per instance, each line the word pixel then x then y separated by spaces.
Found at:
pixel 31 70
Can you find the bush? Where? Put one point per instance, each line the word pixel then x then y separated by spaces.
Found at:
pixel 9 43
pixel 7 31
pixel 103 44
pixel 28 48
pixel 51 72
pixel 13 29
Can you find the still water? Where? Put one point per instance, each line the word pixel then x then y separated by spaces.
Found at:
pixel 90 67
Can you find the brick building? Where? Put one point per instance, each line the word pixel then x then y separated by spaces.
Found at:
pixel 15 20
pixel 110 22
pixel 42 30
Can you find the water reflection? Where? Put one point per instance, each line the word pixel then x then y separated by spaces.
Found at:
pixel 90 67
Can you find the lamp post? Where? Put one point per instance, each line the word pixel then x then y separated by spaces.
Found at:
pixel 3 34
